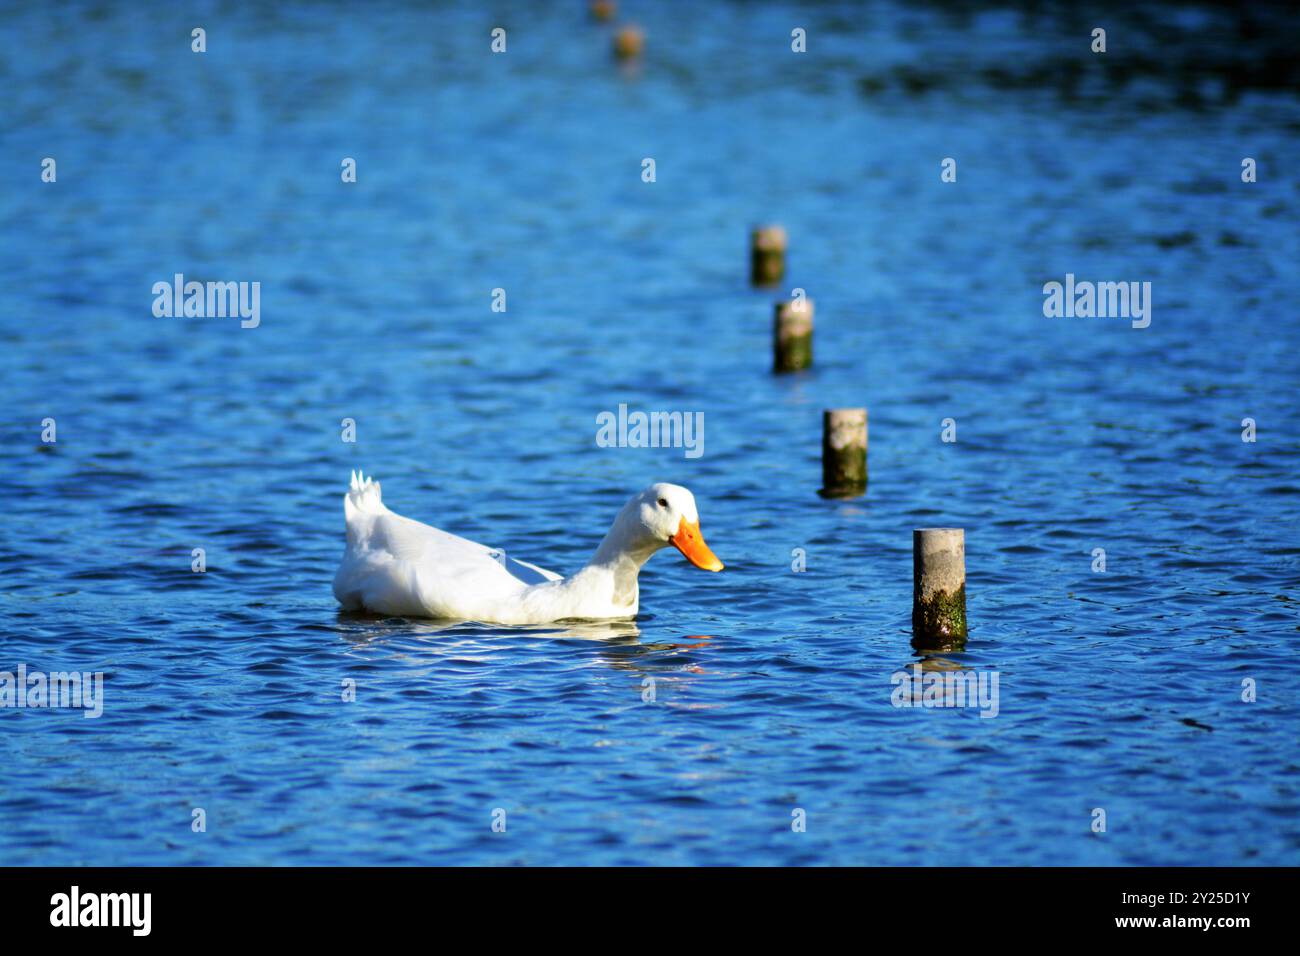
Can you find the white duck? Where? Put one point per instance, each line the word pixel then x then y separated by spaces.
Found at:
pixel 397 566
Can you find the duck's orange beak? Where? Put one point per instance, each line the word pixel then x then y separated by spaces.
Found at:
pixel 690 542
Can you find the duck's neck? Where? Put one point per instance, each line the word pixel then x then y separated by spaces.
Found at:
pixel 621 555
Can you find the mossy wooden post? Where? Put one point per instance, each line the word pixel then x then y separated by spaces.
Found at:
pixel 628 42
pixel 792 334
pixel 844 452
pixel 767 255
pixel 939 588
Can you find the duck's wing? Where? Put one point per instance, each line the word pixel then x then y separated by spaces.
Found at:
pixel 528 573
pixel 450 555
pixel 372 527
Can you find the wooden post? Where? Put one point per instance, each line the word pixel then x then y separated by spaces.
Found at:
pixel 602 9
pixel 939 588
pixel 844 452
pixel 628 42
pixel 792 334
pixel 767 255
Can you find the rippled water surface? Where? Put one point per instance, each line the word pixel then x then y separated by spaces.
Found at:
pixel 1119 690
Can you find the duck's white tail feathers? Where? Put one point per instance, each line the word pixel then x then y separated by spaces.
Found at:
pixel 362 500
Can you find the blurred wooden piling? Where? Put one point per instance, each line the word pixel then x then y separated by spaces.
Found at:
pixel 844 452
pixel 603 9
pixel 629 41
pixel 767 255
pixel 792 333
pixel 939 588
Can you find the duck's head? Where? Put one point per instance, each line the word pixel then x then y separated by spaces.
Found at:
pixel 665 514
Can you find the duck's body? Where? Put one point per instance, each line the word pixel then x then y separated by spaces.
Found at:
pixel 397 566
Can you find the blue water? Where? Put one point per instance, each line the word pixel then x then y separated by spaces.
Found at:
pixel 1119 691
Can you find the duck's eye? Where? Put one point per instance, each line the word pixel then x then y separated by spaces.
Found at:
pixel 663 502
